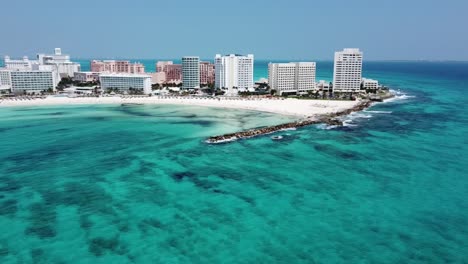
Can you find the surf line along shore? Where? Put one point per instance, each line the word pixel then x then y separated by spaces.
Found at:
pixel 329 119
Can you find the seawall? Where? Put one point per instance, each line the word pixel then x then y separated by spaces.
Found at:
pixel 330 119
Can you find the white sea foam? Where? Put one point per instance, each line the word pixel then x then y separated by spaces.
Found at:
pixel 378 112
pixel 289 129
pixel 398 96
pixel 231 139
pixel 349 123
pixel 349 120
pixel 359 115
pixel 326 127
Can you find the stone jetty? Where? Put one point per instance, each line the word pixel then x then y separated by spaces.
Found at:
pixel 330 119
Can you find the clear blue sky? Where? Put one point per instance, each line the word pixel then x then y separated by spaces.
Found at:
pixel 291 29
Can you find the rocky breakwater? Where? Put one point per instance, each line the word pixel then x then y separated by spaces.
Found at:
pixel 329 119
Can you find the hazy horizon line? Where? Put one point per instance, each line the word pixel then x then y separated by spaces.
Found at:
pixel 278 59
pixel 257 59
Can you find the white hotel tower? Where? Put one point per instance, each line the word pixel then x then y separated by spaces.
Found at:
pixel 347 73
pixel 234 71
pixel 293 77
pixel 61 62
pixel 190 72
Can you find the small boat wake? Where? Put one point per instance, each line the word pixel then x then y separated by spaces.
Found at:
pixel 284 138
pixel 226 140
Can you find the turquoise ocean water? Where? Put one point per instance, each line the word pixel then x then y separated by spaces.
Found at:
pixel 137 184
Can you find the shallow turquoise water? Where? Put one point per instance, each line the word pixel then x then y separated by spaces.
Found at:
pixel 137 184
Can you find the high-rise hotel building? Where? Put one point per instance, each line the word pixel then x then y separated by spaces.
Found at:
pixel 125 81
pixel 207 72
pixel 5 79
pixel 161 65
pixel 116 66
pixel 347 73
pixel 61 62
pixel 23 64
pixel 58 62
pixel 29 81
pixel 172 72
pixel 190 72
pixel 34 76
pixel 293 77
pixel 234 71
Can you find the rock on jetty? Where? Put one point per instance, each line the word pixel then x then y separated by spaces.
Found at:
pixel 330 119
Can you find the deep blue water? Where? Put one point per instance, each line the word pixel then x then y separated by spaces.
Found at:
pixel 137 184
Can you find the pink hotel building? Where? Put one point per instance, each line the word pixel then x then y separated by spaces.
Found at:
pixel 113 66
pixel 173 72
pixel 207 72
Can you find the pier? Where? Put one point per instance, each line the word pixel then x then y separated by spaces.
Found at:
pixel 330 119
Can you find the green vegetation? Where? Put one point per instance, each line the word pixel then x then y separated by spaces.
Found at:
pixel 68 82
pixel 131 91
pixel 256 92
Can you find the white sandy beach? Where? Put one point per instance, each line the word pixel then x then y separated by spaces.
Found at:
pixel 296 107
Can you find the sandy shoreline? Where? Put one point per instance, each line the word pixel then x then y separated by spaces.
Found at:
pixel 294 107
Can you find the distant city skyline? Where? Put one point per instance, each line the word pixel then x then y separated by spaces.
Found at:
pixel 292 30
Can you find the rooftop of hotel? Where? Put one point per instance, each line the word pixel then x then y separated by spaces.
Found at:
pixel 113 74
pixel 368 80
pixel 22 70
pixel 234 55
pixel 294 63
pixel 88 72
